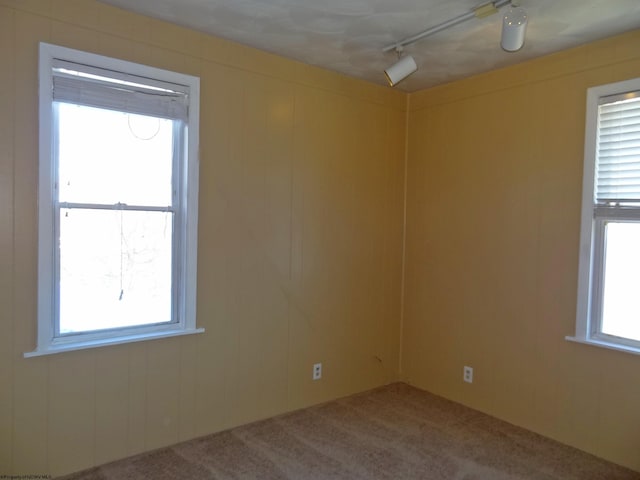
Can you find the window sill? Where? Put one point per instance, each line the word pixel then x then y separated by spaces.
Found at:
pixel 603 344
pixel 82 345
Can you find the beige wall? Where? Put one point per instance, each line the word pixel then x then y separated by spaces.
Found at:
pixel 493 208
pixel 300 246
pixel 301 224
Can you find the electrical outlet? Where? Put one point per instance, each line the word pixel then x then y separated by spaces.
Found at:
pixel 317 371
pixel 468 374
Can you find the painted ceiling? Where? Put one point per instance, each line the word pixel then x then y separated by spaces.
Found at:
pixel 348 36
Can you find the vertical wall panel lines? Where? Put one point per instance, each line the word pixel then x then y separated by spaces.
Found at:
pixel 289 155
pixel 30 388
pixel 7 219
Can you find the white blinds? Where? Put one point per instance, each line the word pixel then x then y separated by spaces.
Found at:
pixel 95 87
pixel 618 150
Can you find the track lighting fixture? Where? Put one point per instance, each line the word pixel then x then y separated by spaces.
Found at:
pixel 400 70
pixel 514 25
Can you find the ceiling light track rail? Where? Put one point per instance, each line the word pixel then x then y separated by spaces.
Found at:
pixel 479 12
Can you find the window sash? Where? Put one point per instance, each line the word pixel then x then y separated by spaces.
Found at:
pixel 178 235
pixel 175 273
pixel 600 220
pixel 179 167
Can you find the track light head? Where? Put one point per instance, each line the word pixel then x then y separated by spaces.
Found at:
pixel 400 70
pixel 514 26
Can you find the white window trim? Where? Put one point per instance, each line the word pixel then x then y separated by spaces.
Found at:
pixel 186 321
pixel 591 253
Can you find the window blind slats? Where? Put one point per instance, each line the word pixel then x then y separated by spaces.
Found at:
pixel 627 156
pixel 627 120
pixel 618 149
pixel 630 132
pixel 93 87
pixel 629 182
pixel 614 140
pixel 618 123
pixel 619 106
pixel 66 67
pixel 618 152
pixel 613 174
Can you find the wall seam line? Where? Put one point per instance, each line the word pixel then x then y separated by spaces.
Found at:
pixel 404 237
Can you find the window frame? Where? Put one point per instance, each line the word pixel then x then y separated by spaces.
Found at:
pixel 184 241
pixel 593 233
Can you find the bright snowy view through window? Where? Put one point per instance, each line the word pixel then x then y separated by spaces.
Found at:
pixel 621 303
pixel 116 223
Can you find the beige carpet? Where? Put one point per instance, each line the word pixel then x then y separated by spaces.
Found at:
pixel 394 432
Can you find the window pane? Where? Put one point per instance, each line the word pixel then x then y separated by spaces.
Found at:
pixel 115 269
pixel 106 157
pixel 621 301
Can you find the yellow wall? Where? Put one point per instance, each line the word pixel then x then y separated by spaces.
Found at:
pixel 300 246
pixel 493 207
pixel 301 225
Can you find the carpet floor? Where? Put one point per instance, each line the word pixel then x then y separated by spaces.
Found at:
pixel 393 432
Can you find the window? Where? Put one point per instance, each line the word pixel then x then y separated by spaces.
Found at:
pixel 608 310
pixel 117 201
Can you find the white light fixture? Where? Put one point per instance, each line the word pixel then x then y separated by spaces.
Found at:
pixel 401 69
pixel 514 25
pixel 513 29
